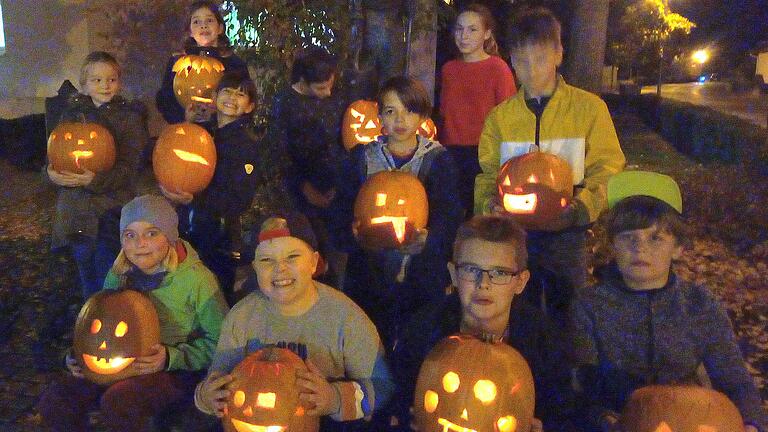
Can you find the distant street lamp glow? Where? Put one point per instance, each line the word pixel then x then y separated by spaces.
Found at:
pixel 701 56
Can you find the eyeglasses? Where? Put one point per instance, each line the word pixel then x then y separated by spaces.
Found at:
pixel 473 273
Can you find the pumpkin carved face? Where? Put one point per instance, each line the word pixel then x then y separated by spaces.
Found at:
pixel 76 146
pixel 661 408
pixel 361 123
pixel 390 206
pixel 196 78
pixel 112 329
pixel 264 395
pixel 184 158
pixel 535 189
pixel 427 129
pixel 456 392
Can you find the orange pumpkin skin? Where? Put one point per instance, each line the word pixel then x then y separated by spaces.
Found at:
pixel 196 78
pixel 74 146
pixel 535 189
pixel 264 393
pixel 114 325
pixel 668 408
pixel 361 123
pixel 468 384
pixel 389 207
pixel 184 158
pixel 427 129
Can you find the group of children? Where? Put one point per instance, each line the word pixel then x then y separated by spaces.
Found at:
pixel 640 325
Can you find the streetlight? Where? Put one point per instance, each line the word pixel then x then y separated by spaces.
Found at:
pixel 700 56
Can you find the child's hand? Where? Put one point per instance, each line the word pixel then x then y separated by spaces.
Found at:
pixel 750 428
pixel 152 363
pixel 213 393
pixel 566 219
pixel 537 425
pixel 199 112
pixel 83 179
pixel 417 244
pixel 317 198
pixel 181 197
pixel 317 391
pixel 495 208
pixel 69 179
pixel 73 367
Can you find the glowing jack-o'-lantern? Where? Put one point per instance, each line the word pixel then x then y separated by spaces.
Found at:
pixel 76 146
pixel 390 206
pixel 427 129
pixel 661 408
pixel 113 328
pixel 264 395
pixel 361 123
pixel 456 392
pixel 535 189
pixel 196 78
pixel 184 158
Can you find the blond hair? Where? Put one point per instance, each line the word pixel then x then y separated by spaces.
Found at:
pixel 98 57
pixel 123 265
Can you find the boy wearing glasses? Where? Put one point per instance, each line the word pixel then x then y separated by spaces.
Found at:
pixel 488 272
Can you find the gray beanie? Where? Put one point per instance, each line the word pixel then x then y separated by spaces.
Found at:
pixel 155 210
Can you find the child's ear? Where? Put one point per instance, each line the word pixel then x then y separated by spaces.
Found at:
pixel 522 281
pixel 559 54
pixel 677 253
pixel 315 261
pixel 249 109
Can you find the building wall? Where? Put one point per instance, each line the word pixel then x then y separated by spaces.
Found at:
pixel 45 43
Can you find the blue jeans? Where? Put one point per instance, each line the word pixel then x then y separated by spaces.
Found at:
pixel 94 258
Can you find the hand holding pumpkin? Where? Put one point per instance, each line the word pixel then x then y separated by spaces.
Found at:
pixel 317 198
pixel 73 367
pixel 415 246
pixel 180 197
pixel 70 179
pixel 199 112
pixel 315 389
pixel 154 362
pixel 212 393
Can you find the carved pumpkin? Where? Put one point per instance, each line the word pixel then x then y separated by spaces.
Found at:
pixel 390 206
pixel 196 78
pixel 535 188
pixel 471 385
pixel 427 129
pixel 264 395
pixel 184 158
pixel 113 328
pixel 661 408
pixel 73 146
pixel 361 123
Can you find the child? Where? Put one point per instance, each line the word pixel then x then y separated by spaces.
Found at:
pixel 88 204
pixel 206 30
pixel 488 273
pixel 471 86
pixel 212 218
pixel 347 377
pixel 190 306
pixel 306 125
pixel 371 279
pixel 551 116
pixel 642 325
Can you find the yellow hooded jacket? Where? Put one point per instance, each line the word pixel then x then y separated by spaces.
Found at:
pixel 574 125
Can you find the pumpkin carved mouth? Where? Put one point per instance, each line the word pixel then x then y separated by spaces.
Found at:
pixel 242 426
pixel 450 426
pixel 107 366
pixel 398 224
pixel 520 204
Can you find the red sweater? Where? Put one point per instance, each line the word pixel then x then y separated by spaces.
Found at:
pixel 469 92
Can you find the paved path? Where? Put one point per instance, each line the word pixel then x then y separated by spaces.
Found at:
pixel 751 106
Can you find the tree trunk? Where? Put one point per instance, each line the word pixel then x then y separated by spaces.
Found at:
pixel 586 54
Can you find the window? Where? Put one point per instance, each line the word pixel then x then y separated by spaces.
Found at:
pixel 2 32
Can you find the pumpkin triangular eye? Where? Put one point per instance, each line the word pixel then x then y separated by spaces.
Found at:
pixel 507 182
pixel 180 131
pixel 370 125
pixel 533 179
pixel 663 427
pixel 355 113
pixel 400 201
